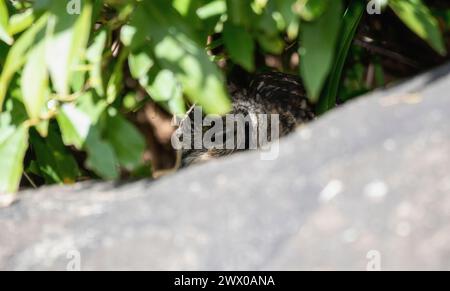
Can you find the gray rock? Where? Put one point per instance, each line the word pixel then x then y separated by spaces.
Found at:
pixel 367 185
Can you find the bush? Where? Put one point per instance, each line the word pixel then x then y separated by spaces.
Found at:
pixel 66 66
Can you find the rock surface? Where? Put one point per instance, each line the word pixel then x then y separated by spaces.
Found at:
pixel 366 186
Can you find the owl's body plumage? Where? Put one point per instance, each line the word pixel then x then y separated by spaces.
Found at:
pixel 268 93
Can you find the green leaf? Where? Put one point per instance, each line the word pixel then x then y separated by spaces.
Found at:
pixel 78 130
pixel 91 104
pixel 176 50
pixel 214 8
pixel 419 19
pixel 12 152
pixel 75 125
pixel 140 63
pixel 115 83
pixel 128 143
pixel 101 157
pixel 240 45
pixel 290 18
pixel 42 127
pixel 266 23
pixel 318 47
pixel 67 40
pixel 20 22
pixel 54 161
pixel 4 17
pixel 352 18
pixel 17 56
pixel 144 171
pixel 240 12
pixel 35 82
pixel 271 44
pixel 313 9
pixel 285 8
pixel 7 127
pixel 177 106
pixel 182 6
pixel 15 113
pixel 164 87
pixel 94 55
pixel 129 34
pixel 78 79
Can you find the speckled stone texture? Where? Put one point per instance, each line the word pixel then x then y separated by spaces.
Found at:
pixel 366 185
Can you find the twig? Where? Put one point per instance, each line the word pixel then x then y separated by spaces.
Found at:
pixel 387 53
pixel 30 180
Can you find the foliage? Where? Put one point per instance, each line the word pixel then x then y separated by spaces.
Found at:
pixel 64 69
